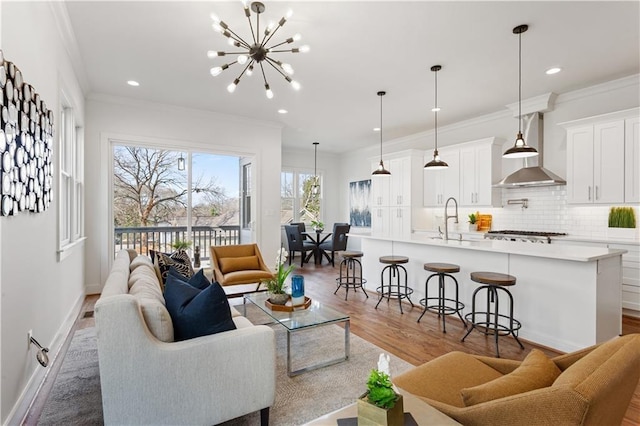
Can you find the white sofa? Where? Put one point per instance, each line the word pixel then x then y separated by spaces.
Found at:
pixel 145 380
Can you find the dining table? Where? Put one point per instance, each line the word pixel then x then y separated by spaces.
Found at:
pixel 318 237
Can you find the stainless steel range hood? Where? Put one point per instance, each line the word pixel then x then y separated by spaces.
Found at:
pixel 532 175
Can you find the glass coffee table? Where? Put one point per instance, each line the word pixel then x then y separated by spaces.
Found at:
pixel 314 316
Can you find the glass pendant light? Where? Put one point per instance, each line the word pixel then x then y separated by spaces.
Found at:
pixel 520 149
pixel 436 163
pixel 381 171
pixel 315 189
pixel 181 163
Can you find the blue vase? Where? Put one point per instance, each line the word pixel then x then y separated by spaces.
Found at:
pixel 297 290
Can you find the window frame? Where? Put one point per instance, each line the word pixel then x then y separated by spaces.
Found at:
pixel 298 175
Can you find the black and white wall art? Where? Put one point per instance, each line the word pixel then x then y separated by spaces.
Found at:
pixel 26 141
pixel 359 201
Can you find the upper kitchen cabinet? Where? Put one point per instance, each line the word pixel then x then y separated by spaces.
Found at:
pixel 442 184
pixel 480 168
pixel 602 159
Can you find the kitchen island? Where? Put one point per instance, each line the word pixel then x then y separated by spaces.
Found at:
pixel 566 297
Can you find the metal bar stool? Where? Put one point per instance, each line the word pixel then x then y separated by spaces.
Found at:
pixel 351 273
pixel 444 306
pixel 491 324
pixel 396 272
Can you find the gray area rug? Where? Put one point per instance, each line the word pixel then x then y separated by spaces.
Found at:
pixel 75 398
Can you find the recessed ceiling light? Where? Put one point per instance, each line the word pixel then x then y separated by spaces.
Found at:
pixel 282 111
pixel 376 129
pixel 554 70
pixel 436 109
pixel 133 83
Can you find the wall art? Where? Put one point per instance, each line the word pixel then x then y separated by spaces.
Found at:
pixel 359 201
pixel 26 141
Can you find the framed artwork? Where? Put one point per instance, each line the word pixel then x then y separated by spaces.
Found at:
pixel 359 201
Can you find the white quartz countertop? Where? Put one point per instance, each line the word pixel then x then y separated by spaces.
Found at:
pixel 551 251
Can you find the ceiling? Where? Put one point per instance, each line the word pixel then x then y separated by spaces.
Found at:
pixel 357 49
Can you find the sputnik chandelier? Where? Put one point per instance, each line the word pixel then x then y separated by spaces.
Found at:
pixel 256 52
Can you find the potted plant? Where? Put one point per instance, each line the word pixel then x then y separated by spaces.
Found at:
pixel 181 244
pixel 381 404
pixel 473 222
pixel 317 225
pixel 276 285
pixel 622 222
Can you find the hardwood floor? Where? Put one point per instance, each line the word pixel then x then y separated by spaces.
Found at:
pixel 385 327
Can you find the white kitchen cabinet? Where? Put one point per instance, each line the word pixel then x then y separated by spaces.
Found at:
pixel 630 275
pixel 442 184
pixel 394 195
pixel 480 168
pixel 602 159
pixel 632 160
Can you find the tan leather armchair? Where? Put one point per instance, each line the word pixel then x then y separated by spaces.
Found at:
pixel 238 264
pixel 594 387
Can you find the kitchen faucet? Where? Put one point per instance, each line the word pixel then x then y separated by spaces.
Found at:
pixel 447 217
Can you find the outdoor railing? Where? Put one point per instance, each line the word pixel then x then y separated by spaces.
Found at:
pixel 162 238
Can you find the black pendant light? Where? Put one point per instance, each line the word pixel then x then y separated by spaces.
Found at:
pixel 315 188
pixel 520 149
pixel 436 163
pixel 381 171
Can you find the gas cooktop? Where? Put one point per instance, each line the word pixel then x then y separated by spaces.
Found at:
pixel 529 233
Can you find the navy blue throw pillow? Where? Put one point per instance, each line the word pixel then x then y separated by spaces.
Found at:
pixel 198 280
pixel 196 312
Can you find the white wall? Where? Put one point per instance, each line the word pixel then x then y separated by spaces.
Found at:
pixel 166 126
pixel 599 99
pixel 38 292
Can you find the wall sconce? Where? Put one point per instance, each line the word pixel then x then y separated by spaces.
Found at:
pixel 181 163
pixel 41 355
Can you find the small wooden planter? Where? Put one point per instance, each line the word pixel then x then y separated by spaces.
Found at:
pixel 372 415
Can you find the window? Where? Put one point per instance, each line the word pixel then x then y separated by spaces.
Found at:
pixel 71 190
pixel 298 204
pixel 246 196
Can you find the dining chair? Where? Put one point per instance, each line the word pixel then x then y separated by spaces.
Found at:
pixel 297 243
pixel 303 228
pixel 338 241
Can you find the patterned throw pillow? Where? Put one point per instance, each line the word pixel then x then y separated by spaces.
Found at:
pixel 179 260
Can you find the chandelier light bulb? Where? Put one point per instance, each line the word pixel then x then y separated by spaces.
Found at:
pixel 231 41
pixel 297 37
pixel 295 85
pixel 250 71
pixel 287 68
pixel 215 18
pixel 304 49
pixel 215 71
pixel 242 59
pixel 269 93
pixel 232 87
pixel 216 26
pixel 289 13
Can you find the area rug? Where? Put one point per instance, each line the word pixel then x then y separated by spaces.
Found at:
pixel 75 397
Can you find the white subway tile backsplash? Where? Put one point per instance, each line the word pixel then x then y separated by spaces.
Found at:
pixel 548 211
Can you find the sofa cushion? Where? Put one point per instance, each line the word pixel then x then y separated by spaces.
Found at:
pixel 144 272
pixel 442 379
pixel 140 260
pixel 536 371
pixel 232 264
pixel 196 312
pixel 179 259
pixel 146 289
pixel 198 280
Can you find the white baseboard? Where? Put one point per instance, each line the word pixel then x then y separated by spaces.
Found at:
pixel 23 404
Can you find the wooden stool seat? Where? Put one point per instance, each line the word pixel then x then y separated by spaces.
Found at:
pixel 394 260
pixel 352 254
pixel 444 268
pixel 493 278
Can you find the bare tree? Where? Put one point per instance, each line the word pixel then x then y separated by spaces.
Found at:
pixel 149 188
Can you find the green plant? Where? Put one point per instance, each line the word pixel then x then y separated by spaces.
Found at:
pixel 380 389
pixel 316 224
pixel 276 285
pixel 473 218
pixel 181 245
pixel 622 217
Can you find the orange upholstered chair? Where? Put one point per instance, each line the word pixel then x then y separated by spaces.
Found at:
pixel 238 264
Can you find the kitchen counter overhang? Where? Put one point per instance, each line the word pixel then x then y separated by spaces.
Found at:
pixel 566 297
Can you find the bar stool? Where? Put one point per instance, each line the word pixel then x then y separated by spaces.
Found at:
pixel 351 262
pixel 491 325
pixel 444 306
pixel 396 272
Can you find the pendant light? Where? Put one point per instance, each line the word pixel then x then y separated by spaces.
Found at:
pixel 381 171
pixel 520 149
pixel 315 189
pixel 181 163
pixel 436 163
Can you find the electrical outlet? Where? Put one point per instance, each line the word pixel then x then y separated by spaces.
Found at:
pixel 29 335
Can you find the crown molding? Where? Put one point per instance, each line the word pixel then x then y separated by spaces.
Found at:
pixel 620 83
pixel 541 103
pixel 119 100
